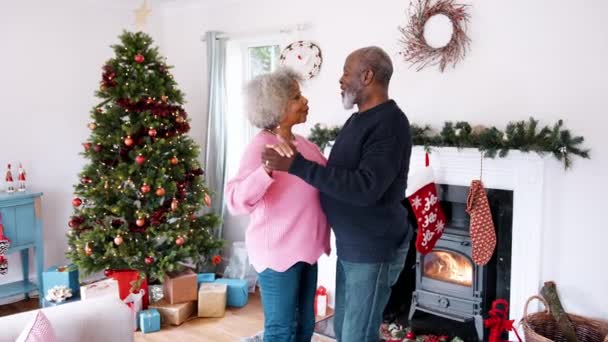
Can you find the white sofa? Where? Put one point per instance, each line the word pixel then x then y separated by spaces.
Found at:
pixel 98 319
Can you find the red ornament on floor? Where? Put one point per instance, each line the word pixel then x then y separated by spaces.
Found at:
pixel 499 322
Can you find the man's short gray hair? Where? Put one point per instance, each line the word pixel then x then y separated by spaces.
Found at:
pixel 378 61
pixel 266 97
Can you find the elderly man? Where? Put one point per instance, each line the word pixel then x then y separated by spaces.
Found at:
pixel 361 189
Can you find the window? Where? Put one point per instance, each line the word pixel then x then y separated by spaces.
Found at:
pixel 262 59
pixel 244 61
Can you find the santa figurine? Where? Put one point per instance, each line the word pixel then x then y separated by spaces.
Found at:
pixel 10 186
pixel 21 178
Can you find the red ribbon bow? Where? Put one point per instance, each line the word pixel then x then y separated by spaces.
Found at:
pixel 498 321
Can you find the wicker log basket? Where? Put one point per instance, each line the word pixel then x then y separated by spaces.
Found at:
pixel 542 327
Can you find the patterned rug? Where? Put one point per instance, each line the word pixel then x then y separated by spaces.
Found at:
pixel 324 331
pixel 259 338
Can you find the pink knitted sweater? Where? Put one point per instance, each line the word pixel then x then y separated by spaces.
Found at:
pixel 287 224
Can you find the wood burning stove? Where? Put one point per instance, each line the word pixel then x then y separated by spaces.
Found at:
pixel 448 283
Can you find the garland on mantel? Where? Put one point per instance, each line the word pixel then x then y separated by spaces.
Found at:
pixel 520 135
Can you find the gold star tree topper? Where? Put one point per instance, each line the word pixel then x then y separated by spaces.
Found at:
pixel 141 16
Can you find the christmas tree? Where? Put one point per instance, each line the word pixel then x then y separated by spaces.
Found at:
pixel 137 199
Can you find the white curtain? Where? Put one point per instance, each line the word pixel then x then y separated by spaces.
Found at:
pixel 215 156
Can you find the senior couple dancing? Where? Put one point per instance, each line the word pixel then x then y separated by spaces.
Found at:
pixel 293 195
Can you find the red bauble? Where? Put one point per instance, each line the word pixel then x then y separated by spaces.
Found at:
pixel 174 161
pixel 139 58
pixel 86 180
pixel 76 202
pixel 128 141
pixel 97 148
pixel 107 273
pixel 140 160
pixel 160 192
pixel 410 335
pixel 180 241
pixel 72 224
pixel 140 222
pixel 152 132
pixel 86 146
pixel 149 260
pixel 145 188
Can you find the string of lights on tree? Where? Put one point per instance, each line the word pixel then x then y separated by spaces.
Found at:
pixel 525 136
pixel 138 200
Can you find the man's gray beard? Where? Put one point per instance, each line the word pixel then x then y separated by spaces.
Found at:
pixel 348 100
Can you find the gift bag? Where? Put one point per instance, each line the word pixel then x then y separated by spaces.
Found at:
pixel 239 266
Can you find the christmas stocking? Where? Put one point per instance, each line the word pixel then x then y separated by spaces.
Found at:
pixel 482 227
pixel 4 244
pixel 421 192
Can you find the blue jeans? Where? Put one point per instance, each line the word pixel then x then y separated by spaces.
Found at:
pixel 362 292
pixel 288 301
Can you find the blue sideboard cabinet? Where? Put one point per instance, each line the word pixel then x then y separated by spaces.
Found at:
pixel 22 220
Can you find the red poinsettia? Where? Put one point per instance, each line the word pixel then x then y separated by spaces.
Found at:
pixel 216 260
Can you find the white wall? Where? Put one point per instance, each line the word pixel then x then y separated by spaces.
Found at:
pixel 51 54
pixel 529 58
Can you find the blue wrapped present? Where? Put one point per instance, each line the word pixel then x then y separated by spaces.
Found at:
pixel 149 321
pixel 61 275
pixel 237 294
pixel 205 278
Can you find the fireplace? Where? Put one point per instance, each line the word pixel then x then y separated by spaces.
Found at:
pixel 448 283
pixel 522 176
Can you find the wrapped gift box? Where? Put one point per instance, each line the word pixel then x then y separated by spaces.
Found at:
pixel 126 279
pixel 149 321
pixel 238 294
pixel 61 275
pixel 205 278
pixel 174 314
pixel 212 300
pixel 181 287
pixel 106 287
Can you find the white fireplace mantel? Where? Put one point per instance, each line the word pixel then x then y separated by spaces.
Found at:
pixel 523 173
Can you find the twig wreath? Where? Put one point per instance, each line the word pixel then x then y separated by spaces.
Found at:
pixel 416 49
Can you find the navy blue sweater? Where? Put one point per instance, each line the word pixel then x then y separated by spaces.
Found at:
pixel 364 182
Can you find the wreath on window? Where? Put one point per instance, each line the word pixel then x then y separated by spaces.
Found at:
pixel 417 51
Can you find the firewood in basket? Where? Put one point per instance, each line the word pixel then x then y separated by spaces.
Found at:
pixel 549 292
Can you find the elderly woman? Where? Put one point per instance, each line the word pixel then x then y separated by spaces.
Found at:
pixel 288 230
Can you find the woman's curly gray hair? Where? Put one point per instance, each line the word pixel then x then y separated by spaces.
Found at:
pixel 266 97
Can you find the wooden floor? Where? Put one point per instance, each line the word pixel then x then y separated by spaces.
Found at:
pixel 235 325
pixel 18 307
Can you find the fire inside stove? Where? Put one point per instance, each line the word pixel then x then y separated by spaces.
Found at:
pixel 449 267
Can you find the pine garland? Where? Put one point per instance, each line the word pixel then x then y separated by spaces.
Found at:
pixel 520 135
